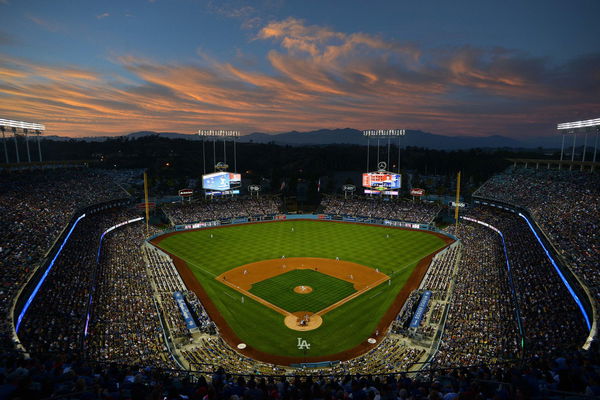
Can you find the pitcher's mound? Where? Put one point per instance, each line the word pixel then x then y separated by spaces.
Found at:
pixel 303 321
pixel 302 289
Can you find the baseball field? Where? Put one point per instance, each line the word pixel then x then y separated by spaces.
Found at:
pixel 273 285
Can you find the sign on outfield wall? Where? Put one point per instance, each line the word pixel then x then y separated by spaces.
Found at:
pixel 417 192
pixel 401 224
pixel 199 225
pixel 186 192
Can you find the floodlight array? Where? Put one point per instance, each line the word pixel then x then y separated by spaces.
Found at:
pixel 21 125
pixel 218 133
pixel 579 124
pixel 384 132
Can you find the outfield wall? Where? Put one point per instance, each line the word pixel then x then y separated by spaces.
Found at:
pixel 321 217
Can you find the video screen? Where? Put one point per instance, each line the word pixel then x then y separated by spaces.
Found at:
pixel 381 180
pixel 221 181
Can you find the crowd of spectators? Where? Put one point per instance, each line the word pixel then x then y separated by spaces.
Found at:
pixel 56 317
pixel 391 355
pixel 35 206
pixel 175 324
pixel 221 208
pixel 565 204
pixel 400 324
pixel 125 325
pixel 165 280
pixel 550 317
pixel 212 352
pixel 441 272
pixel 205 324
pixel 480 325
pixel 372 207
pixel 438 281
pixel 73 378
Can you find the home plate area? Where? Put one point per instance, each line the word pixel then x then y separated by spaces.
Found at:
pixel 302 289
pixel 303 321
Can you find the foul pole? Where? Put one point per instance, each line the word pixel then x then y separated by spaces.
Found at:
pixel 457 198
pixel 146 200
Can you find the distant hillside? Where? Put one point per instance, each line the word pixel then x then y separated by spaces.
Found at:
pixel 354 136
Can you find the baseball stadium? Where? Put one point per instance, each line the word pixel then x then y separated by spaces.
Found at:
pixel 279 200
pixel 227 282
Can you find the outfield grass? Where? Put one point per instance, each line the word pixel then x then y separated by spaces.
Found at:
pixel 326 290
pixel 210 252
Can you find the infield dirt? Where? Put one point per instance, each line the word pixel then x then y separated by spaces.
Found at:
pixel 246 275
pixel 242 278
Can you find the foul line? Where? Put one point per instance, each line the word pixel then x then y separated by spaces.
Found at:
pixel 394 273
pixel 255 297
pixel 352 296
pixel 403 268
pixel 233 297
pixel 185 261
pixel 200 268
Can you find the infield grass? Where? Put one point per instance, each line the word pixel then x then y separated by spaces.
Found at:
pixel 210 252
pixel 326 290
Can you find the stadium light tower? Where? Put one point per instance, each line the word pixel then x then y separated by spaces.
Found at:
pixel 572 128
pixel 215 134
pixel 25 128
pixel 383 134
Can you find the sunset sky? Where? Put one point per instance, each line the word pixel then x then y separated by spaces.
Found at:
pixel 90 68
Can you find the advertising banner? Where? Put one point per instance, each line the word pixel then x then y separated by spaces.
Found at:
pixel 421 308
pixel 187 316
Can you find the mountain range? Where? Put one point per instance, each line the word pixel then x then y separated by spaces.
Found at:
pixel 353 136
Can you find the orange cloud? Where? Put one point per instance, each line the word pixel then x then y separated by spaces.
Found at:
pixel 320 78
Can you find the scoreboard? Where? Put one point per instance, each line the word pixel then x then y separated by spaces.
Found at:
pixel 381 180
pixel 221 181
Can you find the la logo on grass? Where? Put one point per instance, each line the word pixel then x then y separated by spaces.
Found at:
pixel 303 344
